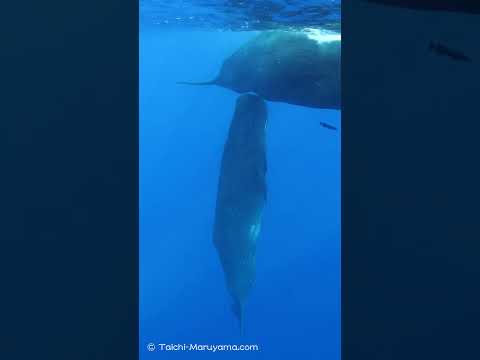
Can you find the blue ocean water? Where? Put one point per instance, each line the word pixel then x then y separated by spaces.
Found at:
pixel 294 308
pixel 240 14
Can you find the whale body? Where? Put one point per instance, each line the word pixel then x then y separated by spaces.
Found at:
pixel 241 198
pixel 296 67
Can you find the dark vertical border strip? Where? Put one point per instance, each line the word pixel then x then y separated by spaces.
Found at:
pixel 410 185
pixel 69 179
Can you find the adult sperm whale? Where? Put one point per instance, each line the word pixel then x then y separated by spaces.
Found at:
pixel 240 199
pixel 296 67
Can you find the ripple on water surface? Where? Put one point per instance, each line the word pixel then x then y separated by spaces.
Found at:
pixel 241 14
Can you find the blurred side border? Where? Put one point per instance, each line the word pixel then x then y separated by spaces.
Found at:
pixel 410 178
pixel 69 179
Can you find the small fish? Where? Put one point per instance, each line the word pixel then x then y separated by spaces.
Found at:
pixel 328 126
pixel 440 49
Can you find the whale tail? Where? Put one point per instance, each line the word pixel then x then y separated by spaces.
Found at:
pixel 201 83
pixel 237 309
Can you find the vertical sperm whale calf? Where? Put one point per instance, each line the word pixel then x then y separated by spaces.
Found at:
pixel 241 197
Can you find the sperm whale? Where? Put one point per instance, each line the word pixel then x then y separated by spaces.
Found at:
pixel 296 67
pixel 241 198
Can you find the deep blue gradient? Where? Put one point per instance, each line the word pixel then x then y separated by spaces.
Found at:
pixel 294 309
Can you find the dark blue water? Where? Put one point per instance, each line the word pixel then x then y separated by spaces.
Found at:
pixel 294 309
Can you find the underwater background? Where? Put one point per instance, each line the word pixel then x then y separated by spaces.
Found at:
pixel 294 308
